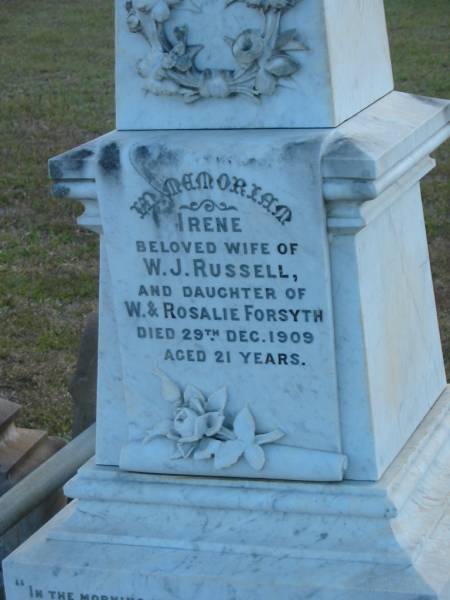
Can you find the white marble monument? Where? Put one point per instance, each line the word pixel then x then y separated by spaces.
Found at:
pixel 273 419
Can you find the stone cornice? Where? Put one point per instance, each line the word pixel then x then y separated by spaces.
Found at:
pixel 370 157
pixel 372 151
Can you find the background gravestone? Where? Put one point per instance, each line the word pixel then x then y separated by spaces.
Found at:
pixel 83 385
pixel 267 321
pixel 21 451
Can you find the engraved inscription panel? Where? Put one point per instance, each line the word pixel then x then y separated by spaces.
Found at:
pixel 220 278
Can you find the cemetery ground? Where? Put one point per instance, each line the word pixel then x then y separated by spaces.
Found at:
pixel 56 91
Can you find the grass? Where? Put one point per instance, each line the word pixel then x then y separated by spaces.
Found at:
pixel 56 91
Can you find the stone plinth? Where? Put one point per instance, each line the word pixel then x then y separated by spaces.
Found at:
pixel 165 537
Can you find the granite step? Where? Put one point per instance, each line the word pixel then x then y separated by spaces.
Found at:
pixel 8 412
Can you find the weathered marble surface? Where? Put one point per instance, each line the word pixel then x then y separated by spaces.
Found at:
pixel 229 221
pixel 389 372
pixel 321 76
pixel 147 536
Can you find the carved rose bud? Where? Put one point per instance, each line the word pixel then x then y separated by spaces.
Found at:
pixel 248 46
pixel 144 68
pixel 133 22
pixel 161 11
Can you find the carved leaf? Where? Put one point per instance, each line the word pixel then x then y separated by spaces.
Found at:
pixel 288 40
pixel 160 429
pixel 207 449
pixel 210 423
pixel 177 455
pixel 295 46
pixel 244 425
pixel 255 457
pixel 217 400
pixel 286 37
pixel 200 428
pixel 281 65
pixel 265 83
pixel 169 390
pixel 183 451
pixel 192 51
pixel 228 454
pixel 268 438
pixel 194 398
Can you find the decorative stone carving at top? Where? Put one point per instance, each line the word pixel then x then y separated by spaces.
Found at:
pixel 248 64
pixel 263 56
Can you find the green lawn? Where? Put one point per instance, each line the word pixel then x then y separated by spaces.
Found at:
pixel 56 91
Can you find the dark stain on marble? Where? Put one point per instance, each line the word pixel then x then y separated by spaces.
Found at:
pixel 109 160
pixel 59 190
pixel 61 167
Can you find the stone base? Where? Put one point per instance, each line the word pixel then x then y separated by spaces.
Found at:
pixel 154 537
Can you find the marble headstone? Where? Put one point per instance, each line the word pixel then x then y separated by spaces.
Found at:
pixel 273 417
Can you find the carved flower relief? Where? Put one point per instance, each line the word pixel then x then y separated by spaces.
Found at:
pixel 169 68
pixel 192 422
pixel 177 58
pixel 199 430
pixel 152 70
pixel 190 426
pixel 155 67
pixel 134 22
pixel 159 10
pixel 195 416
pixel 250 46
pixel 181 56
